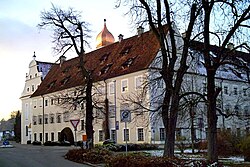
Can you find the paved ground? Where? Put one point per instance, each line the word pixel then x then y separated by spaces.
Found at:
pixel 35 156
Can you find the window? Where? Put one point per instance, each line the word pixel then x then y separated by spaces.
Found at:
pixel 140 134
pixel 34 120
pixel 46 118
pixel 51 101
pixel 52 136
pixel 82 125
pixel 237 109
pixel 101 135
pixel 52 118
pixel 178 133
pixel 58 118
pixel 111 88
pixel 40 119
pixel 46 102
pixel 162 134
pixel 35 103
pixel 113 135
pixel 138 82
pixel 160 83
pixel 204 87
pixel 111 111
pixel 125 50
pixel 28 89
pixel 104 58
pixel 246 111
pixel 125 134
pixel 26 130
pixel 46 136
pixel 225 90
pixel 35 139
pixel 105 69
pixel 59 136
pixel 33 88
pixel 244 91
pixel 235 91
pixel 124 85
pixel 66 116
pixel 100 113
pixel 128 63
pixel 41 136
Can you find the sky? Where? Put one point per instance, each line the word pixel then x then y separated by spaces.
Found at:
pixel 20 37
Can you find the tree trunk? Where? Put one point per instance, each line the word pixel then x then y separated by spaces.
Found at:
pixel 106 121
pixel 211 118
pixel 170 126
pixel 89 113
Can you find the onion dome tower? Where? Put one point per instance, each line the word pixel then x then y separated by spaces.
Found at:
pixel 104 38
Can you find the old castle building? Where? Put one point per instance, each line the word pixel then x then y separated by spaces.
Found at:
pixel 122 74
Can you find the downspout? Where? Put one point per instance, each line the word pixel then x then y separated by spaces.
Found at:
pixel 43 118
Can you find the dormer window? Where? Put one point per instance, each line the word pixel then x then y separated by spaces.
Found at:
pixel 128 63
pixel 125 50
pixel 105 69
pixel 51 85
pixel 65 80
pixel 104 58
pixel 66 69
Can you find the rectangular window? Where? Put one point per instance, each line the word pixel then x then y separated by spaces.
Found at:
pixel 52 136
pixel 160 83
pixel 100 113
pixel 46 102
pixel 138 82
pixel 33 88
pixel 124 85
pixel 140 134
pixel 204 87
pixel 59 136
pixel 58 118
pixel 46 119
pixel 34 120
pixel 40 119
pixel 113 135
pixel 35 103
pixel 101 136
pixel 46 136
pixel 27 130
pixel 244 91
pixel 66 116
pixel 52 101
pixel 35 137
pixel 52 118
pixel 111 111
pixel 111 88
pixel 162 134
pixel 235 91
pixel 41 136
pixel 125 134
pixel 101 89
pixel 225 90
pixel 82 125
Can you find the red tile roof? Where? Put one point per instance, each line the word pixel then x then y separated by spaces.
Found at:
pixel 120 58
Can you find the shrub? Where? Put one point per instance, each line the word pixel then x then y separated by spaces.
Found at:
pixel 245 148
pixel 228 143
pixel 36 143
pixel 94 156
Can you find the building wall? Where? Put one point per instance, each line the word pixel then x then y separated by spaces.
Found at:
pixel 33 79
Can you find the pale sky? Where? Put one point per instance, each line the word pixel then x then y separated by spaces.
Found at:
pixel 20 37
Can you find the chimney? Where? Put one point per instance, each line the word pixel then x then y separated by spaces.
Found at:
pixel 230 46
pixel 120 37
pixel 62 59
pixel 140 30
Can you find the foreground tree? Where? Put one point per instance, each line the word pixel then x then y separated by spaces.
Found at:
pixel 70 33
pixel 194 17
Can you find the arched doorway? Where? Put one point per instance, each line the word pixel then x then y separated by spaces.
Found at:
pixel 67 135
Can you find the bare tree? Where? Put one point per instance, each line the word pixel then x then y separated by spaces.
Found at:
pixel 220 22
pixel 72 33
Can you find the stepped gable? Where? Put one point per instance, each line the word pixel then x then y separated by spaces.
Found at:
pixel 120 58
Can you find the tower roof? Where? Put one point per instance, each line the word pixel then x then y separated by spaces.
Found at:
pixel 104 38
